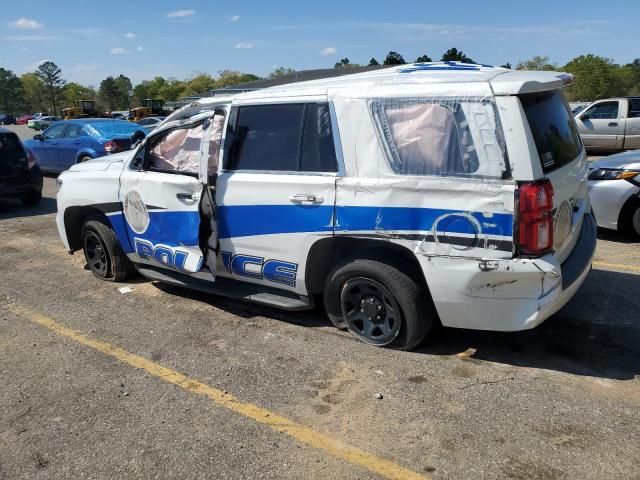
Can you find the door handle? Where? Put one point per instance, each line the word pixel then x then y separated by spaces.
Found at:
pixel 613 124
pixel 306 198
pixel 187 196
pixel 77 143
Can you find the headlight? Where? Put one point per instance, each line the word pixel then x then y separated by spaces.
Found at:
pixel 58 183
pixel 611 174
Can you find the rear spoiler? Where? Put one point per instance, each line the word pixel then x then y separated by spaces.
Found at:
pixel 521 81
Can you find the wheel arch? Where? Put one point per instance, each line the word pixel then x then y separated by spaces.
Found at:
pixel 85 153
pixel 632 203
pixel 74 218
pixel 325 254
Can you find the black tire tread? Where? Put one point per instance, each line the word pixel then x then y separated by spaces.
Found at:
pixel 419 315
pixel 121 267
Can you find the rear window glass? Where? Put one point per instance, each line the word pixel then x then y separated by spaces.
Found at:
pixel 553 128
pixel 111 129
pixel 10 147
pixel 443 136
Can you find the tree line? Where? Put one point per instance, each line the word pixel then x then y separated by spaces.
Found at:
pixel 46 90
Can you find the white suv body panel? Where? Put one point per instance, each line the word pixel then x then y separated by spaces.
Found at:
pixel 475 284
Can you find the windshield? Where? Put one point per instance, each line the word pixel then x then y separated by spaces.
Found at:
pixel 553 128
pixel 112 129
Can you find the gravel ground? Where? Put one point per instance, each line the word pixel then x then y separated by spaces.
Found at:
pixel 560 401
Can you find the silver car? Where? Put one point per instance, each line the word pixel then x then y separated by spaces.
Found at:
pixel 614 187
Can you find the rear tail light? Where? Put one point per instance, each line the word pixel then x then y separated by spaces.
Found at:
pixel 115 146
pixel 535 218
pixel 31 159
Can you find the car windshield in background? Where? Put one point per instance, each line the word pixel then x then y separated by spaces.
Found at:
pixel 553 129
pixel 112 129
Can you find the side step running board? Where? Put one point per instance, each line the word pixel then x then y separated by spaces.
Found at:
pixel 230 288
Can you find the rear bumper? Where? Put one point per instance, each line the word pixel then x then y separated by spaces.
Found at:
pixel 17 186
pixel 508 294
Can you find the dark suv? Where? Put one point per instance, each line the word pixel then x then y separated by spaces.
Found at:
pixel 6 119
pixel 20 177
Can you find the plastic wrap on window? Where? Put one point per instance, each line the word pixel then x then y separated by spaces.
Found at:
pixel 179 150
pixel 442 136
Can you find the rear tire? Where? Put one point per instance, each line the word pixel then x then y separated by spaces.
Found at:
pixel 32 198
pixel 378 304
pixel 629 223
pixel 86 158
pixel 103 253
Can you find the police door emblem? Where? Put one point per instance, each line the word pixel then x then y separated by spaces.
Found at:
pixel 135 211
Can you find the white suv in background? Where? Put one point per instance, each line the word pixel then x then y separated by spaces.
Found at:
pixel 397 198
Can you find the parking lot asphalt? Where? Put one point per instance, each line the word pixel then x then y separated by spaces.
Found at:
pixel 162 382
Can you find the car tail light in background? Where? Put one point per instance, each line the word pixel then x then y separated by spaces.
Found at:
pixel 31 159
pixel 535 218
pixel 115 146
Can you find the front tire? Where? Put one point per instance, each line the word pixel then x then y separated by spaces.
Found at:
pixel 103 253
pixel 378 304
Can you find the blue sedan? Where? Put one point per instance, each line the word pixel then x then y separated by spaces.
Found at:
pixel 66 143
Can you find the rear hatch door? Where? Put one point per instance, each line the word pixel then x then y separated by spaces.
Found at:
pixel 562 159
pixel 13 156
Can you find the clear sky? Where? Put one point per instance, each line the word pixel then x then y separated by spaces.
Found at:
pixel 90 40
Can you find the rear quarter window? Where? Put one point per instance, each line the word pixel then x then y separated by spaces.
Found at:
pixel 553 128
pixel 441 136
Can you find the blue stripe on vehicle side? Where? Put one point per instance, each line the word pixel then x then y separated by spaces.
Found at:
pixel 167 228
pixel 249 220
pixel 182 228
pixel 420 219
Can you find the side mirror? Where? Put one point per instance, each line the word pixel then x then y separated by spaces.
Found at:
pixel 584 116
pixel 38 137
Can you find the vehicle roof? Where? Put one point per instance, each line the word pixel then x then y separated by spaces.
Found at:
pixel 98 120
pixel 503 81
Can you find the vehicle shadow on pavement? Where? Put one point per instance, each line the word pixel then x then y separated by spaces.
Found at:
pixel 615 236
pixel 10 208
pixel 596 334
pixel 309 318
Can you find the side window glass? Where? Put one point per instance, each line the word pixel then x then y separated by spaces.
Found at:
pixel 603 111
pixel 265 137
pixel 73 131
pixel 318 152
pixel 443 136
pixel 53 133
pixel 177 151
pixel 634 108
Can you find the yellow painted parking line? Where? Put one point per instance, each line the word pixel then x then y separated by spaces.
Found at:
pixel 617 266
pixel 353 455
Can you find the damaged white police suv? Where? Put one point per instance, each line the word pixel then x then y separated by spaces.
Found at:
pixel 397 198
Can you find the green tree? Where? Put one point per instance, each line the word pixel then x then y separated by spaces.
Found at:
pixel 109 92
pixel 51 76
pixel 200 83
pixel 227 78
pixel 629 75
pixel 453 55
pixel 34 92
pixel 423 58
pixel 343 63
pixel 393 58
pixel 506 65
pixel 373 62
pixel 74 91
pixel 594 77
pixel 124 91
pixel 140 92
pixel 11 93
pixel 171 90
pixel 537 63
pixel 280 71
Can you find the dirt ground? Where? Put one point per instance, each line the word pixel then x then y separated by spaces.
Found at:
pixel 560 401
